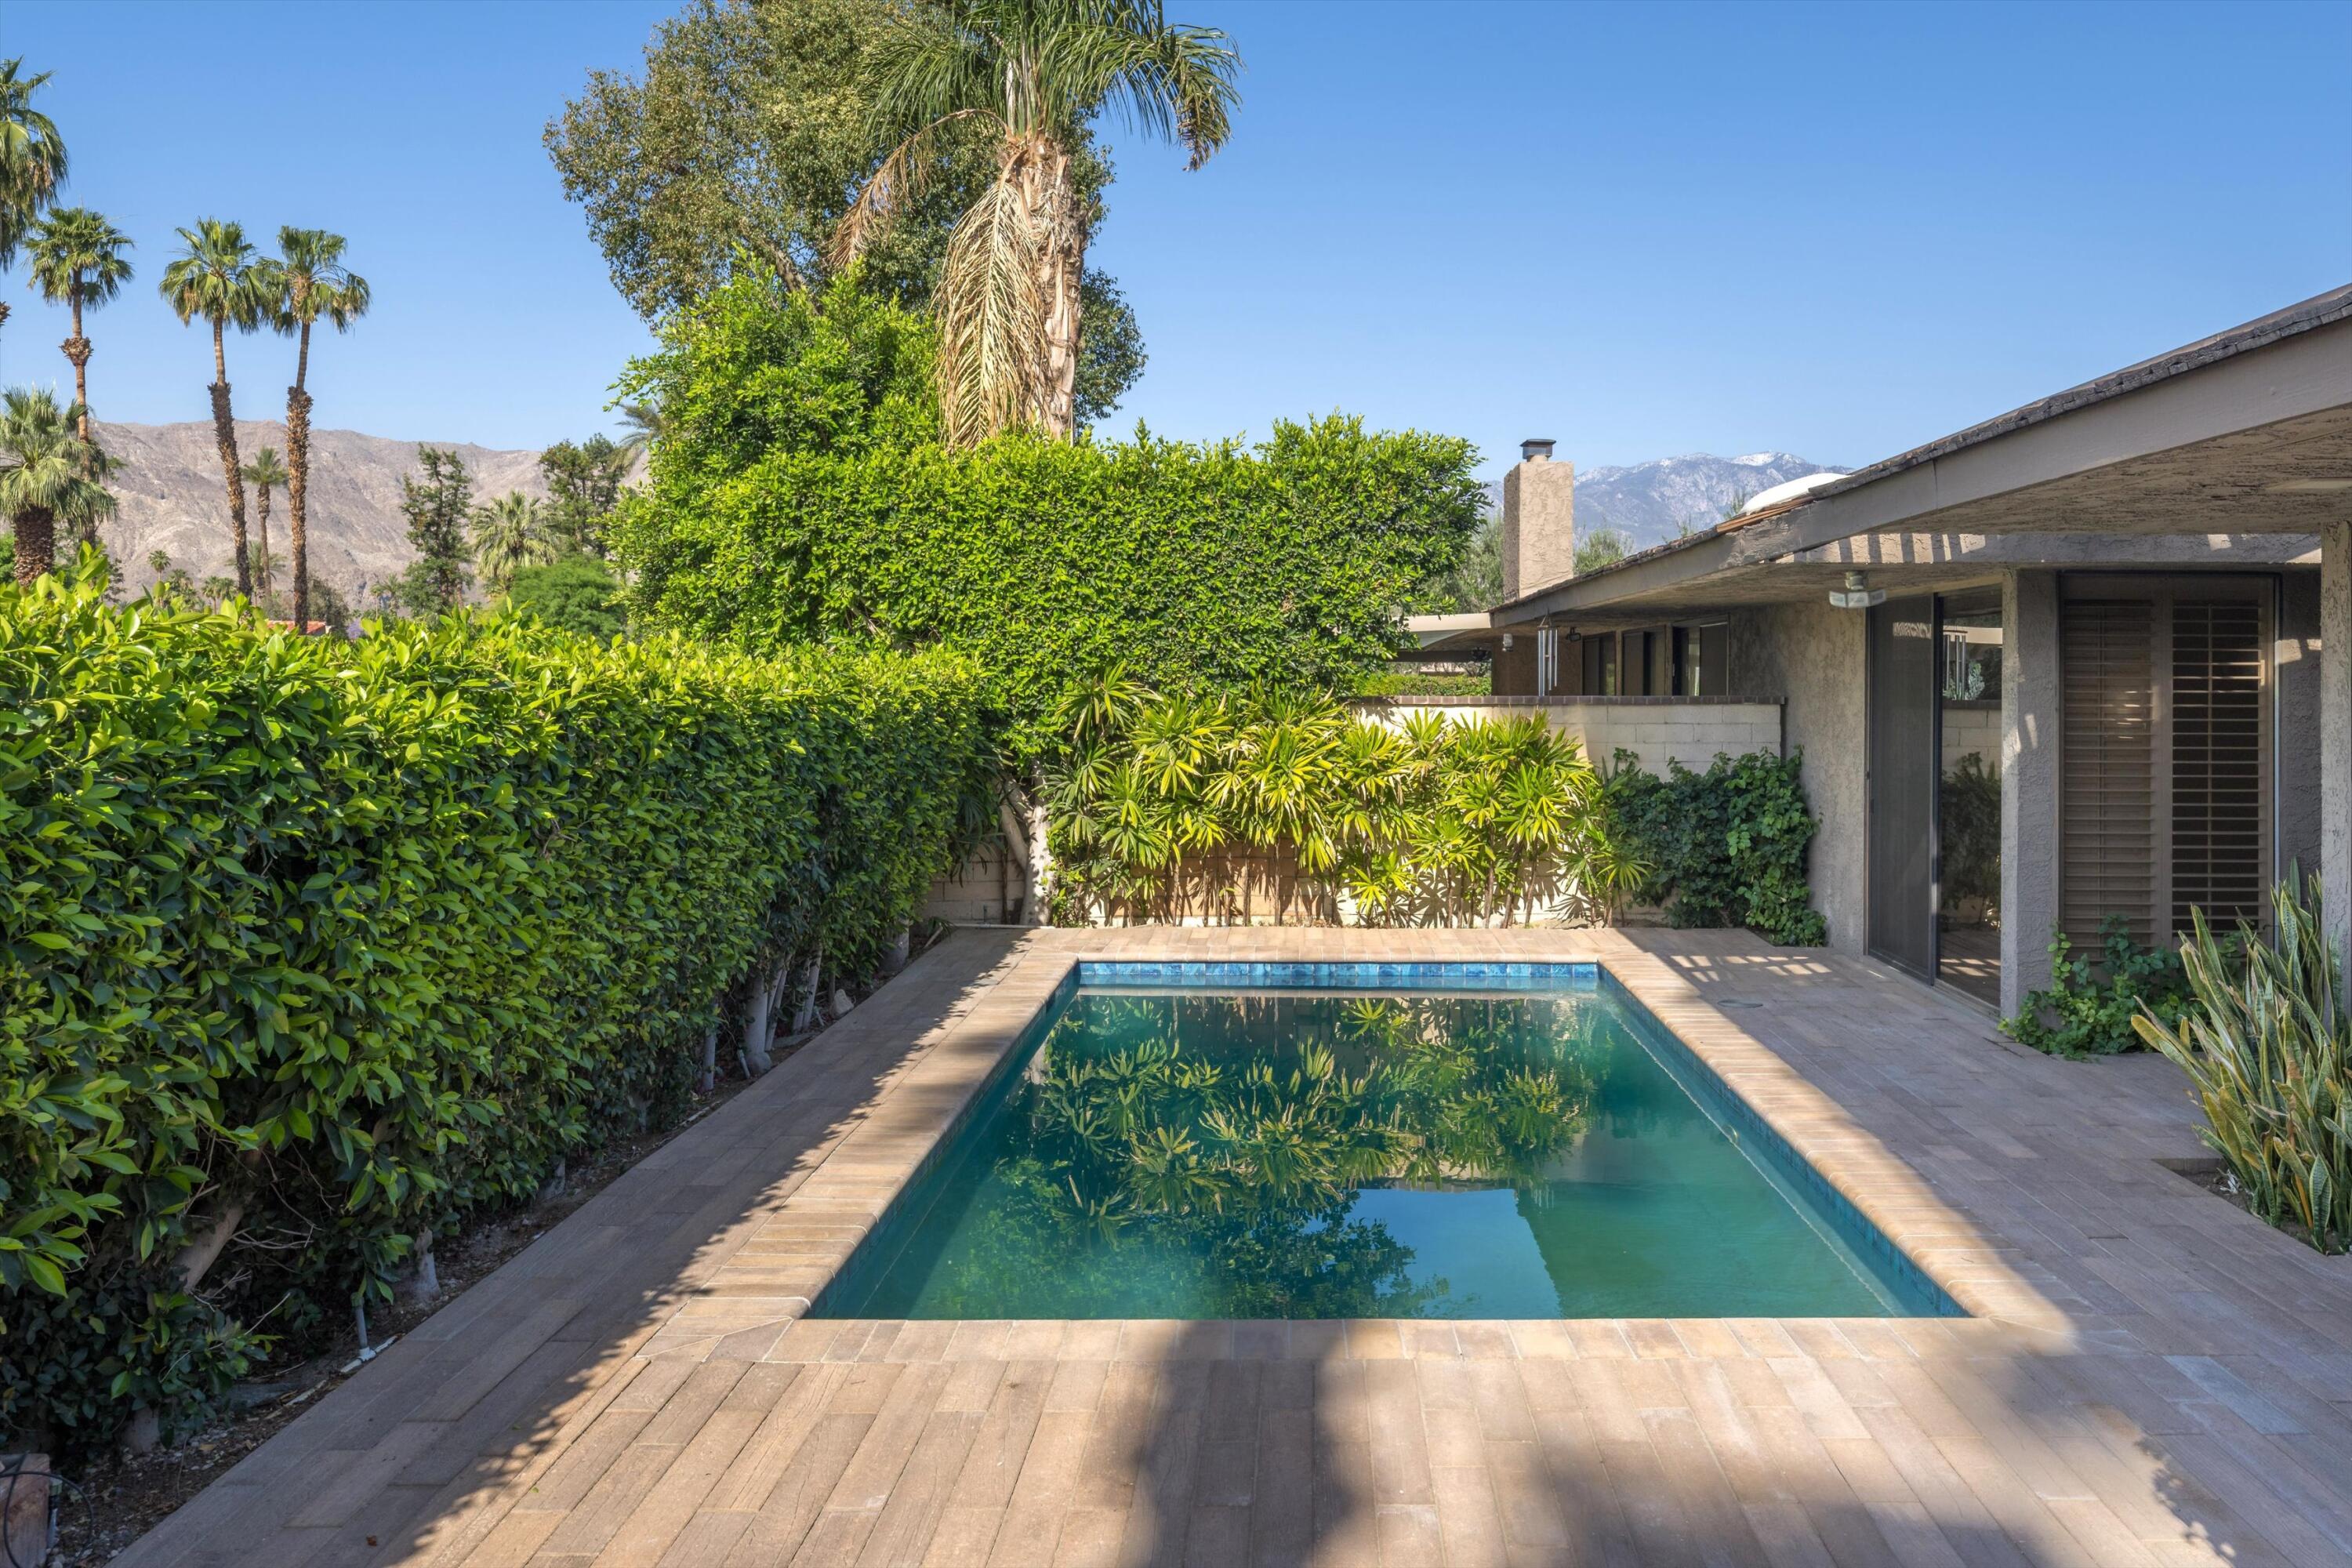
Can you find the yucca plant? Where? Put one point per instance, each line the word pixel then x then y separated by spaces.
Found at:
pixel 2267 1046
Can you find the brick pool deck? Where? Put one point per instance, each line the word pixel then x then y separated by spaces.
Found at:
pixel 2153 1377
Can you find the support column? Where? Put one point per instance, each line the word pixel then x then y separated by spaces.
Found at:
pixel 2336 730
pixel 2029 716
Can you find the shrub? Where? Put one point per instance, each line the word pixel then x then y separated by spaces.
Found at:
pixel 798 494
pixel 1725 848
pixel 2266 1042
pixel 313 946
pixel 2089 1006
pixel 577 594
pixel 1428 821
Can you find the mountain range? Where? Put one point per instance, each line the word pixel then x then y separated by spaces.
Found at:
pixel 169 496
pixel 1660 500
pixel 167 487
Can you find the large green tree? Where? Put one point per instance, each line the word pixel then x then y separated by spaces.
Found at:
pixel 1030 74
pixel 748 133
pixel 43 478
pixel 78 262
pixel 584 486
pixel 219 277
pixel 438 507
pixel 32 160
pixel 312 285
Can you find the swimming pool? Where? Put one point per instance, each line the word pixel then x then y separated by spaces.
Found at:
pixel 1211 1141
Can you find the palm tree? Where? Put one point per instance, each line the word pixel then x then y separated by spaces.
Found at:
pixel 43 478
pixel 32 160
pixel 78 260
pixel 510 533
pixel 265 473
pixel 216 276
pixel 1030 73
pixel 312 282
pixel 644 422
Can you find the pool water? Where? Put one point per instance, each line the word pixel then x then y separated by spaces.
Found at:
pixel 1515 1145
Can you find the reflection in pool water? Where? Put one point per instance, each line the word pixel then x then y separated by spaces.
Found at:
pixel 1192 1154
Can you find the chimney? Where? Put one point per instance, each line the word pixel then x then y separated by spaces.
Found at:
pixel 1538 522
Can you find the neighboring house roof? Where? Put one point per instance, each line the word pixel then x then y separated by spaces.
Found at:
pixel 2181 444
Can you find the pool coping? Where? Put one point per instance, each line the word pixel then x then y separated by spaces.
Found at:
pixel 785 1265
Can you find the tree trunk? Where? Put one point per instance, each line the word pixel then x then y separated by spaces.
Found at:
pixel 1052 206
pixel 77 349
pixel 297 490
pixel 261 538
pixel 37 543
pixel 225 433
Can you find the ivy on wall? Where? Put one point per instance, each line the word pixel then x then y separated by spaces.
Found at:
pixel 1725 847
pixel 309 946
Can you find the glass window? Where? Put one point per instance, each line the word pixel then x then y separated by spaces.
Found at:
pixel 1968 798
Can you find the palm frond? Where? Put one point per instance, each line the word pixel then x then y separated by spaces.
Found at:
pixel 992 320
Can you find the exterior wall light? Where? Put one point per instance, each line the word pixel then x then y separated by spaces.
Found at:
pixel 1857 593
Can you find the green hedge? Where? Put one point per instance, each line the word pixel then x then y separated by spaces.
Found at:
pixel 359 936
pixel 799 494
pixel 1725 848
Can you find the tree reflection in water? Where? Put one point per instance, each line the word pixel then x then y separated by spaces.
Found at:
pixel 1207 1149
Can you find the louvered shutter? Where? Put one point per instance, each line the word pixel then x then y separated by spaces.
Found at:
pixel 2107 790
pixel 2219 848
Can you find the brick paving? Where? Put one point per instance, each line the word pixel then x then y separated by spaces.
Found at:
pixel 2152 1377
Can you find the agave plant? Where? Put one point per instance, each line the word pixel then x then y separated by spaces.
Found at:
pixel 2267 1046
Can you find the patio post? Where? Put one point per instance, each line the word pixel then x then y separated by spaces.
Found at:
pixel 2029 781
pixel 2335 729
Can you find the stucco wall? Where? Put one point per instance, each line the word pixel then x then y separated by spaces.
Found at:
pixel 2295 654
pixel 1808 656
pixel 2334 747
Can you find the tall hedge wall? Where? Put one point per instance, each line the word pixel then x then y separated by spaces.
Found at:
pixel 798 493
pixel 340 940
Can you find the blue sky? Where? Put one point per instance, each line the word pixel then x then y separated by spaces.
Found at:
pixel 1832 230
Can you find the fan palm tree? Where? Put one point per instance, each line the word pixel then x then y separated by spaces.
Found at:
pixel 77 261
pixel 217 275
pixel 32 160
pixel 312 283
pixel 43 478
pixel 265 474
pixel 1029 74
pixel 510 533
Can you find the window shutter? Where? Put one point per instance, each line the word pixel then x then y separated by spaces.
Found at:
pixel 2216 775
pixel 2107 791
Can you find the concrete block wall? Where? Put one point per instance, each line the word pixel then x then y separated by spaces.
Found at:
pixel 979 892
pixel 1972 726
pixel 1691 730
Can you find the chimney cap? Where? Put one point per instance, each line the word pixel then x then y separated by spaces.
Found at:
pixel 1536 449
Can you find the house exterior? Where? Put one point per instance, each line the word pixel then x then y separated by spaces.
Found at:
pixel 2092 657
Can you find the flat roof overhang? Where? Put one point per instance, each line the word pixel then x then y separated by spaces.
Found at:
pixel 2217 455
